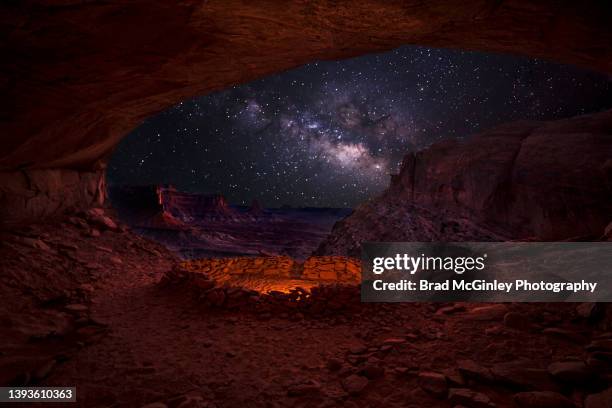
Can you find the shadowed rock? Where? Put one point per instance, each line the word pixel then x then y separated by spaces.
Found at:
pixel 548 180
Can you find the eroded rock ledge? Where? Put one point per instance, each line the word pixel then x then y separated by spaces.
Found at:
pixel 28 195
pixel 523 180
pixel 78 76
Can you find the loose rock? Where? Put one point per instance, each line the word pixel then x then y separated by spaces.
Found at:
pixel 542 399
pixel 433 383
pixel 469 398
pixel 354 384
pixel 44 370
pixel 516 375
pixel 491 312
pixel 373 371
pixel 516 321
pixel 76 307
pixel 600 400
pixel 471 370
pixel 309 388
pixel 334 364
pixel 574 372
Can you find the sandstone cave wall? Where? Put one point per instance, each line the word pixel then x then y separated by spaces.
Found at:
pixel 77 77
pixel 32 194
pixel 552 180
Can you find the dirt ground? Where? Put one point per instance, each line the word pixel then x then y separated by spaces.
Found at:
pixel 82 306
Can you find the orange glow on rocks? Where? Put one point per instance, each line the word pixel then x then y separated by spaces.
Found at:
pixel 277 273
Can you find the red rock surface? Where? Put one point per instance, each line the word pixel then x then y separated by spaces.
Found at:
pixel 197 206
pixel 78 76
pixel 523 180
pixel 30 195
pixel 81 304
pixel 552 180
pixel 88 310
pixel 277 273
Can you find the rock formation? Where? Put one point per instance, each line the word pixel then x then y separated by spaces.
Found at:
pixel 194 205
pixel 200 225
pixel 143 207
pixel 255 208
pixel 164 206
pixel 79 76
pixel 28 195
pixel 536 180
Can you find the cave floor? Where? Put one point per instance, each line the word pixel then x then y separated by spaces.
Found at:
pixel 86 310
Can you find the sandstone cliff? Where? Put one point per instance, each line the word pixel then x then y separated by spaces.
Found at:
pixel 523 180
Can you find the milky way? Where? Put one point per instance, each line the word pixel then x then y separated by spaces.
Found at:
pixel 330 133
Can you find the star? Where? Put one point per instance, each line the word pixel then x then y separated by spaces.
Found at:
pixel 330 133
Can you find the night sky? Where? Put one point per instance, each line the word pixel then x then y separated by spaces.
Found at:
pixel 328 134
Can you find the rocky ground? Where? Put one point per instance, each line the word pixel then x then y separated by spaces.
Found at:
pixel 90 304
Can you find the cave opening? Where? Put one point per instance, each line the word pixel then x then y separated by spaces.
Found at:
pixel 266 168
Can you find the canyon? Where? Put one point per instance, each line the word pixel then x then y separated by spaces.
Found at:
pixel 512 182
pixel 203 225
pixel 88 301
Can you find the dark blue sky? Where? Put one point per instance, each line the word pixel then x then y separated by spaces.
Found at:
pixel 330 133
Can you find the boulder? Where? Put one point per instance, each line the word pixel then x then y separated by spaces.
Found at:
pixel 98 218
pixel 433 383
pixel 542 399
pixel 517 321
pixel 354 384
pixel 488 312
pixel 607 236
pixel 372 371
pixel 334 364
pixel 471 370
pixel 308 388
pixel 572 372
pixel 469 398
pixel 599 400
pixel 519 376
